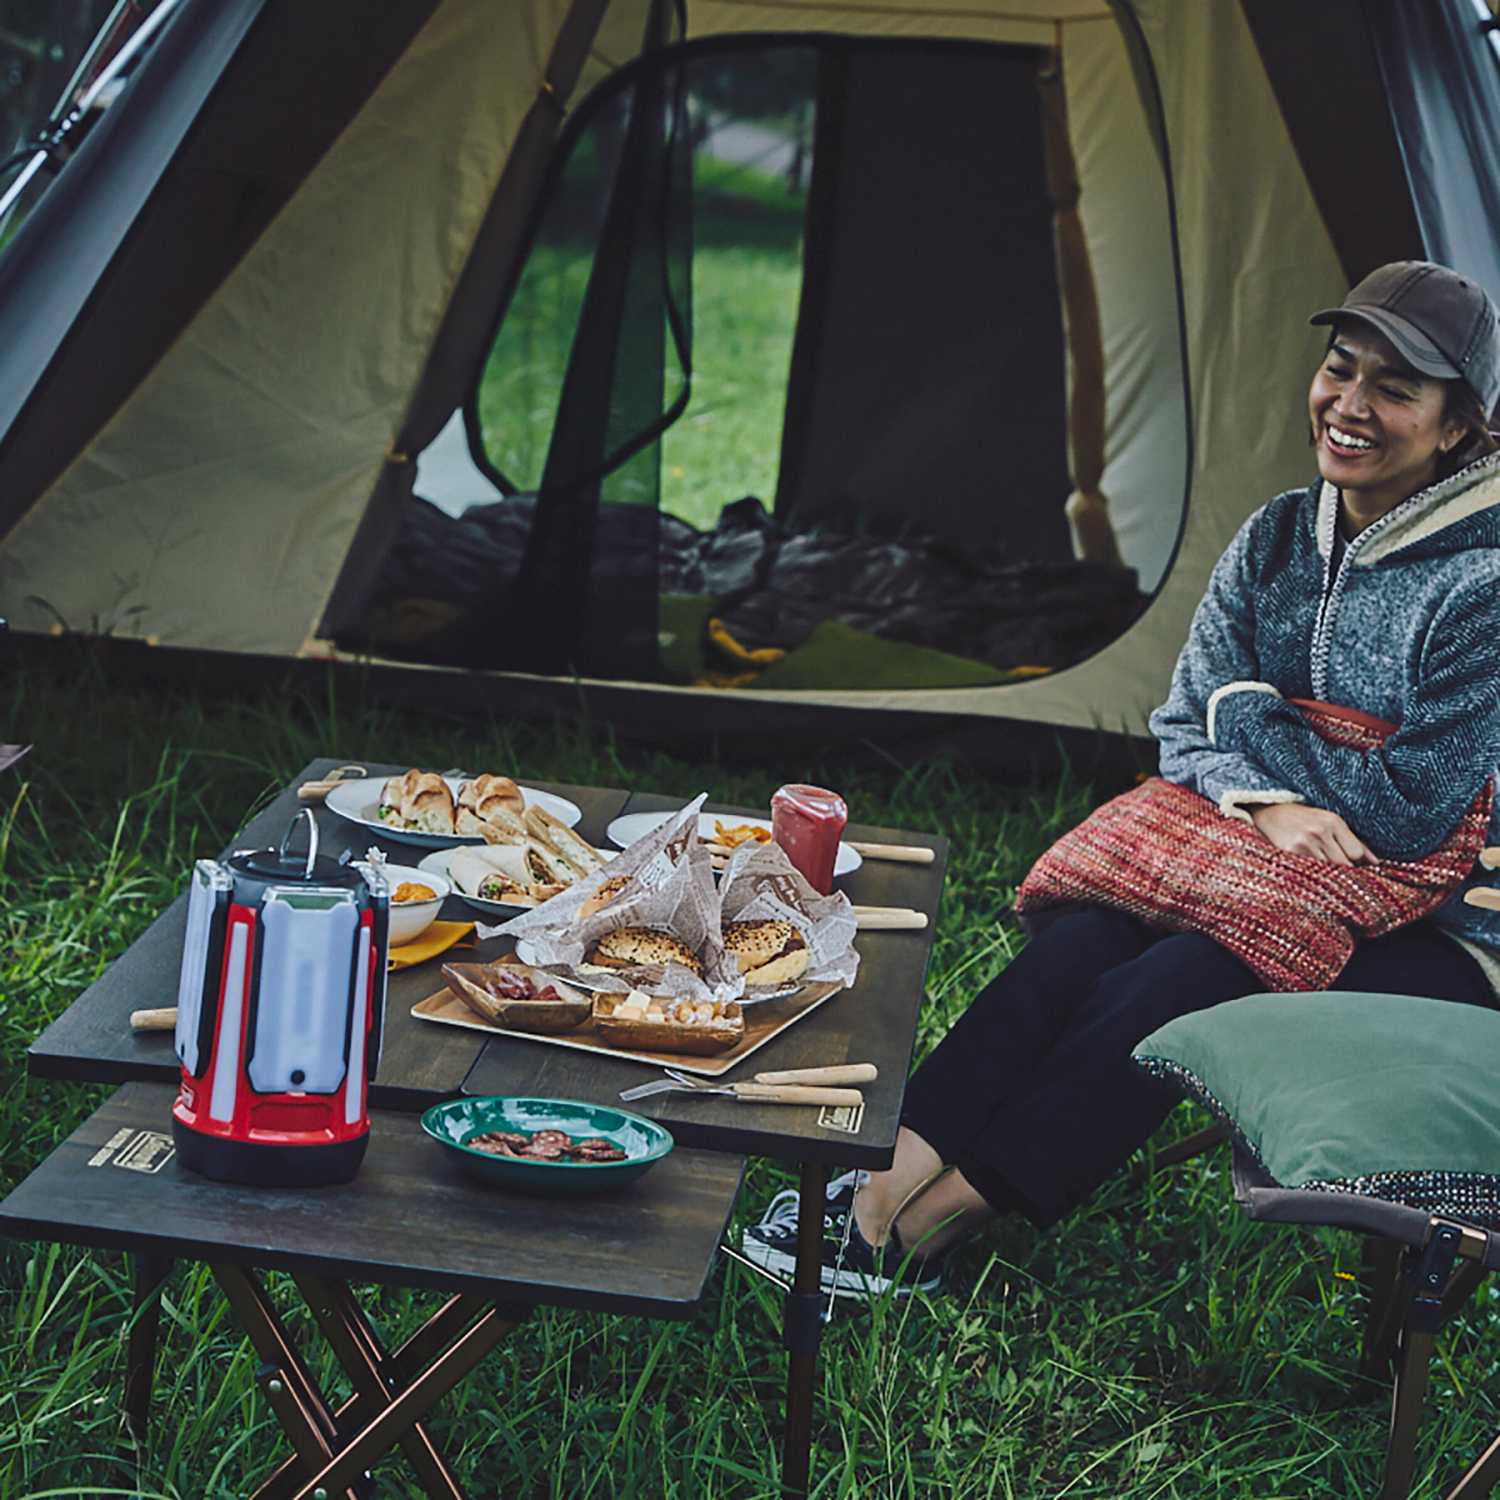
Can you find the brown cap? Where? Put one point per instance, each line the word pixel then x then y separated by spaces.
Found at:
pixel 1443 324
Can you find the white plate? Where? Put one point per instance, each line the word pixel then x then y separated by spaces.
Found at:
pixel 626 830
pixel 436 863
pixel 359 801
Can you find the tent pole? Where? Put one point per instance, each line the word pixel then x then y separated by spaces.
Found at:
pixel 1087 507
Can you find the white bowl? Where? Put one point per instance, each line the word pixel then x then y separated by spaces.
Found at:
pixel 412 918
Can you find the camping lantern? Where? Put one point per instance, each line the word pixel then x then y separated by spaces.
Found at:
pixel 279 1014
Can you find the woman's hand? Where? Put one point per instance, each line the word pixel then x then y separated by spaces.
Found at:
pixel 1296 828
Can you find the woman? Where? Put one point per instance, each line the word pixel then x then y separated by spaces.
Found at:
pixel 1378 587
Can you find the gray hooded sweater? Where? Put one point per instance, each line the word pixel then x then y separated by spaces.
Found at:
pixel 1406 628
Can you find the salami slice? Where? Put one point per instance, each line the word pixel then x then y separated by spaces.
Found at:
pixel 541 1151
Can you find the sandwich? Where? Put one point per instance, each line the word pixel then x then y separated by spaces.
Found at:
pixel 392 795
pixel 492 872
pixel 607 892
pixel 420 801
pixel 521 874
pixel 548 874
pixel 767 952
pixel 483 799
pixel 501 827
pixel 575 852
pixel 626 947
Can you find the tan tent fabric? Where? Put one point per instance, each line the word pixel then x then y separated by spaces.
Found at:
pixel 229 485
pixel 1253 261
pixel 1087 507
pixel 1032 21
pixel 232 480
pixel 1129 243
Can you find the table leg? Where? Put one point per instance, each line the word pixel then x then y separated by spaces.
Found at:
pixel 803 1332
pixel 140 1354
pixel 440 1330
pixel 359 1350
pixel 396 1370
pixel 300 1407
pixel 441 1376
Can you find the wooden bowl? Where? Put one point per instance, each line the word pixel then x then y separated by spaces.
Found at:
pixel 543 1017
pixel 700 1040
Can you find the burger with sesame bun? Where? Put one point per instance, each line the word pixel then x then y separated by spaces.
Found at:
pixel 767 952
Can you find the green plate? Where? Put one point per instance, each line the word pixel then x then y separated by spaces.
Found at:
pixel 458 1120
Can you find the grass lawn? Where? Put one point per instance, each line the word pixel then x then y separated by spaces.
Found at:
pixel 1154 1345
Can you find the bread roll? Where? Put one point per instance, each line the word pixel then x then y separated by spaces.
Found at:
pixel 490 799
pixel 627 946
pixel 767 952
pixel 394 797
pixel 607 892
pixel 488 792
pixel 429 806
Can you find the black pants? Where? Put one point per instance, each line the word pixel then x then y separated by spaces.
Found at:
pixel 1033 1095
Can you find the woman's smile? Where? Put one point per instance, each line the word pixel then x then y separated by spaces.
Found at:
pixel 1378 424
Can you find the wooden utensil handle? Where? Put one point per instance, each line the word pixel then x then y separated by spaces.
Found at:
pixel 1490 858
pixel 906 854
pixel 163 1019
pixel 837 1073
pixel 891 920
pixel 770 1093
pixel 1483 896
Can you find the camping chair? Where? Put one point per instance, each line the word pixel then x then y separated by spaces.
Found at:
pixel 1413 1163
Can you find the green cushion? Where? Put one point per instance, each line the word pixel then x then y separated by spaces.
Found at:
pixel 1388 1096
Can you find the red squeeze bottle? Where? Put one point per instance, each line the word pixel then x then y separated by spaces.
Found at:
pixel 807 822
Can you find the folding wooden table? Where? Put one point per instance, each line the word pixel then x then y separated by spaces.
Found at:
pixel 646 1248
pixel 422 1063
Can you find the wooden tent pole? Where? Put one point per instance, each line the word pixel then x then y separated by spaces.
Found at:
pixel 1087 508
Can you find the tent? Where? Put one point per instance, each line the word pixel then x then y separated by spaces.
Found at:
pixel 240 337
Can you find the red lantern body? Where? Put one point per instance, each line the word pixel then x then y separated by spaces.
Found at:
pixel 279 1015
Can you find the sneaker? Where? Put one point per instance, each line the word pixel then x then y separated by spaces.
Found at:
pixel 851 1266
pixel 781 1216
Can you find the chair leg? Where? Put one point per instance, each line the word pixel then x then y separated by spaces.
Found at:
pixel 1430 1277
pixel 1464 1284
pixel 1381 1277
pixel 1406 1414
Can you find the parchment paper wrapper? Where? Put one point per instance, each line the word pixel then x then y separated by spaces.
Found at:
pixel 671 887
pixel 761 883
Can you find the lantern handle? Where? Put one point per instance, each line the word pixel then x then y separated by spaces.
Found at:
pixel 312 840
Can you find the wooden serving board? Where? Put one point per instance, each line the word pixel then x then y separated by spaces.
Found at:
pixel 762 1022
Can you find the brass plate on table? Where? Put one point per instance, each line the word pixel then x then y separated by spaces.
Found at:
pixel 762 1022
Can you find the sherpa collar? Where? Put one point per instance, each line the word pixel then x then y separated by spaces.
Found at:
pixel 1474 488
